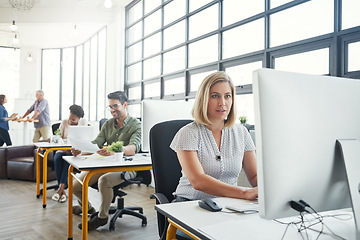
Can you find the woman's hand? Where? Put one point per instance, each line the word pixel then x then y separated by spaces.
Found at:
pixel 251 194
pixel 75 152
pixel 104 152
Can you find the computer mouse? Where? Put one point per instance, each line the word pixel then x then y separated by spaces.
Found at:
pixel 209 204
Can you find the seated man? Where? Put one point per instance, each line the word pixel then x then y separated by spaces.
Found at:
pixel 122 127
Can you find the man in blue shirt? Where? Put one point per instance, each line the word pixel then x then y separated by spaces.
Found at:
pixel 41 113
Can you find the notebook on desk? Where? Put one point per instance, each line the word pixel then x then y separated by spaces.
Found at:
pixel 249 207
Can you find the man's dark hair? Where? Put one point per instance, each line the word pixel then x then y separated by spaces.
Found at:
pixel 119 95
pixel 77 110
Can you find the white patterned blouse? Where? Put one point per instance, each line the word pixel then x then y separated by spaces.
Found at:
pixel 224 164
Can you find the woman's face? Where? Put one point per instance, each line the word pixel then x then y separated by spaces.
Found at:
pixel 73 119
pixel 220 101
pixel 5 100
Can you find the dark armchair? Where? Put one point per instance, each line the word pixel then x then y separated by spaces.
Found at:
pixel 21 163
pixel 166 167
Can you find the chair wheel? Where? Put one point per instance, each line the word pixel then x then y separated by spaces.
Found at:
pixel 38 196
pixel 144 222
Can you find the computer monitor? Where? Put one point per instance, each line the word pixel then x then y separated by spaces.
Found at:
pixel 156 111
pixel 298 119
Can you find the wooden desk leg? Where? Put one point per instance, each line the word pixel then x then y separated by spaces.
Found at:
pixel 70 202
pixel 85 202
pixel 38 173
pixel 45 176
pixel 171 232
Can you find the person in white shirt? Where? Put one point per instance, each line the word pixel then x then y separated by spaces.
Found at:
pixel 212 150
pixel 61 166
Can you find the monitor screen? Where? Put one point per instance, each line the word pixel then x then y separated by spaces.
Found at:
pixel 156 111
pixel 298 119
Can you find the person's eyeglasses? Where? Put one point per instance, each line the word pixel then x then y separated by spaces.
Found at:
pixel 115 106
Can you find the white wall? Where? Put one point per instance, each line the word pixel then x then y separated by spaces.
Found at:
pixel 30 74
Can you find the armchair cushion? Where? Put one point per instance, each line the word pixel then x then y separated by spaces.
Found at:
pixel 3 163
pixel 20 151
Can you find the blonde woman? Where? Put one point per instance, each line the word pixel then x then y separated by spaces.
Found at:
pixel 213 149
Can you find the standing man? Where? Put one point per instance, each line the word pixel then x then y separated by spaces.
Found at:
pixel 41 113
pixel 122 127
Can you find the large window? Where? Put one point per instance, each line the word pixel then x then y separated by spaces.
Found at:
pixel 76 75
pixel 9 76
pixel 171 45
pixel 51 61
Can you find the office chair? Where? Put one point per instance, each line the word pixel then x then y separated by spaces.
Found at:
pixel 101 122
pixel 118 211
pixel 166 167
pixel 55 127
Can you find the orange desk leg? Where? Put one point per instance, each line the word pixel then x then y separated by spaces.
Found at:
pixel 38 173
pixel 85 203
pixel 171 232
pixel 173 227
pixel 70 202
pixel 45 175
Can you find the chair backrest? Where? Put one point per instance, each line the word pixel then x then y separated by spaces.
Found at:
pixel 165 164
pixel 101 122
pixel 55 127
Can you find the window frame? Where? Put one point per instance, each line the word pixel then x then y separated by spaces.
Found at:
pixel 336 41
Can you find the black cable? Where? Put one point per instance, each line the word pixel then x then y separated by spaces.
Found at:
pixel 304 224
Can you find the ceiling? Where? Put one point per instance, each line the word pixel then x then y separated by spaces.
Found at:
pixel 50 23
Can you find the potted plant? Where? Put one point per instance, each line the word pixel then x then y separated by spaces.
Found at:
pixel 243 120
pixel 56 138
pixel 117 148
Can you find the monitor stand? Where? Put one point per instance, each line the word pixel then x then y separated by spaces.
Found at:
pixel 350 150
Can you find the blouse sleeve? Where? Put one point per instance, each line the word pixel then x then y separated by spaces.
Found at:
pixel 82 122
pixel 186 139
pixel 249 144
pixel 62 127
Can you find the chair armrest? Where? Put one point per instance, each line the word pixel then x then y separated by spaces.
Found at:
pixel 160 198
pixel 134 181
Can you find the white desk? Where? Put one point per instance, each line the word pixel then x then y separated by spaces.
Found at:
pixel 202 224
pixel 97 165
pixel 48 147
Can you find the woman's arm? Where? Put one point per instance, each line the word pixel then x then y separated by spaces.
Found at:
pixel 200 181
pixel 249 165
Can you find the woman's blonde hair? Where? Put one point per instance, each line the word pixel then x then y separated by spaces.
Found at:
pixel 199 110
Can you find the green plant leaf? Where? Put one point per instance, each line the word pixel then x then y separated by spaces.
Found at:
pixel 116 147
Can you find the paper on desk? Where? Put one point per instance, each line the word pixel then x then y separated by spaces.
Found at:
pixel 255 229
pixel 83 145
